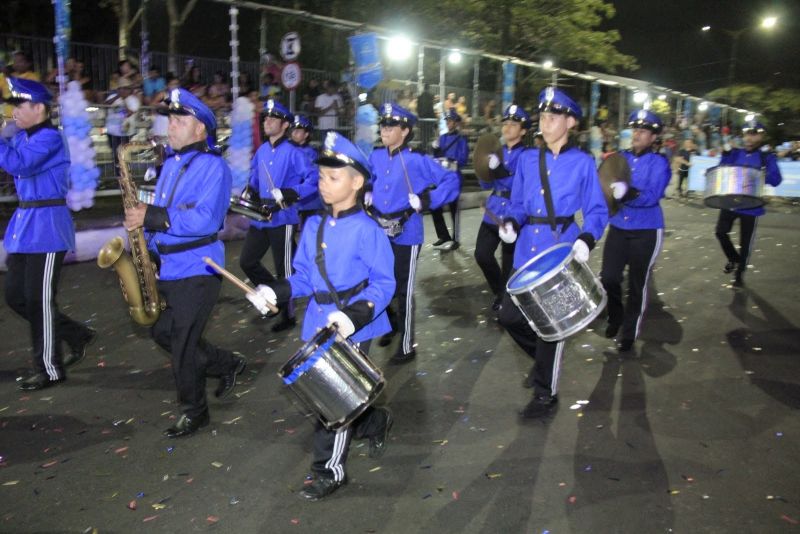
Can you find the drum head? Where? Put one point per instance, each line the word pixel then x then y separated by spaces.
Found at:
pixel 614 168
pixel 540 268
pixel 485 145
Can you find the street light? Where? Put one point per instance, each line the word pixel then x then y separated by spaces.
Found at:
pixel 769 22
pixel 399 48
pixel 548 64
pixel 454 57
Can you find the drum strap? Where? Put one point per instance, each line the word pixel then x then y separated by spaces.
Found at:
pixel 548 195
pixel 43 203
pixel 563 221
pixel 504 193
pixel 320 261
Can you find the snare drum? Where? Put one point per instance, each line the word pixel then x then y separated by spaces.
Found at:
pixel 730 187
pixel 249 205
pixel 557 294
pixel 333 378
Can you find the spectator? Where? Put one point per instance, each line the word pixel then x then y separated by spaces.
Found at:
pixel 461 107
pixel 245 85
pixel 328 106
pixel 219 92
pixel 425 104
pixel 126 71
pixel 313 89
pixel 449 102
pixel 122 105
pixel 683 158
pixel 159 121
pixel 153 85
pixel 269 89
pixel 194 82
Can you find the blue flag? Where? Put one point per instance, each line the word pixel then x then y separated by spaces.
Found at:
pixel 367 60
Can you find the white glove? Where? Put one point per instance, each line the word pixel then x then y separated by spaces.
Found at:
pixel 343 323
pixel 150 174
pixel 581 250
pixel 415 202
pixel 765 148
pixel 262 296
pixel 507 233
pixel 494 161
pixel 368 198
pixel 277 195
pixel 727 147
pixel 618 189
pixel 435 143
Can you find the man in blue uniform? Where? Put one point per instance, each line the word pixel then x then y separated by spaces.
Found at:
pixel 452 151
pixel 282 175
pixel 345 265
pixel 191 199
pixel 39 233
pixel 637 229
pixel 404 184
pixel 752 155
pixel 516 122
pixel 550 185
pixel 301 137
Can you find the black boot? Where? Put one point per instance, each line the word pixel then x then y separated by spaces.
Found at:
pixel 186 426
pixel 540 406
pixel 320 488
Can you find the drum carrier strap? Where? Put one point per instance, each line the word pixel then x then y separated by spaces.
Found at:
pixel 563 221
pixel 339 298
pixel 548 195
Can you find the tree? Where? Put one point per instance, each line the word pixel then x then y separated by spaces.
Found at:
pixel 176 20
pixel 121 9
pixel 774 104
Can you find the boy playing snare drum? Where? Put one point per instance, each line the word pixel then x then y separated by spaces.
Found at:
pixel 345 264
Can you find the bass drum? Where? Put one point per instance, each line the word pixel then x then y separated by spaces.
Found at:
pixel 734 188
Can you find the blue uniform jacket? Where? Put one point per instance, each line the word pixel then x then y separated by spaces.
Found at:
pixel 574 185
pixel 356 249
pixel 390 189
pixel 758 160
pixel 38 160
pixel 499 202
pixel 199 204
pixel 289 168
pixel 312 202
pixel 650 175
pixel 454 147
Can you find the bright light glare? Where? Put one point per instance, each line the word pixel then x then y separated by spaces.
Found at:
pixel 399 48
pixel 662 97
pixel 454 57
pixel 703 106
pixel 640 97
pixel 769 22
pixel 548 64
pixel 749 117
pixel 706 28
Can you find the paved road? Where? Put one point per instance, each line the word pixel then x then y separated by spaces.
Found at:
pixel 697 431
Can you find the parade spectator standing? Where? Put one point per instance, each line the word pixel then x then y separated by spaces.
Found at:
pixel 122 104
pixel 218 92
pixel 684 161
pixel 328 105
pixel 153 84
pixel 425 104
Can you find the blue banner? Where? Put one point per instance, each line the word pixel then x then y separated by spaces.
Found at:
pixel 509 75
pixel 367 60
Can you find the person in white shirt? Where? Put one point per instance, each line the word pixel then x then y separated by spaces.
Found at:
pixel 328 105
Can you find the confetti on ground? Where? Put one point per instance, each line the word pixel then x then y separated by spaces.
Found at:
pixel 212 519
pixel 375 469
pixel 49 464
pixel 492 476
pixel 11 483
pixel 216 464
pixel 132 505
pixel 149 518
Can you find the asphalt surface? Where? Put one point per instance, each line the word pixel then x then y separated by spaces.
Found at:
pixel 695 431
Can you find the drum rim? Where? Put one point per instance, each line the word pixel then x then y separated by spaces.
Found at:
pixel 715 168
pixel 545 277
pixel 307 348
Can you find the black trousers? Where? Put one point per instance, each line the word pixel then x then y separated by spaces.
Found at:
pixel 682 176
pixel 405 274
pixel 31 287
pixel 114 141
pixel 441 227
pixel 179 330
pixel 548 355
pixel 256 244
pixel 636 249
pixel 747 236
pixel 485 246
pixel 330 447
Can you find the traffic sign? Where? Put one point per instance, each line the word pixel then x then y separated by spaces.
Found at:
pixel 290 46
pixel 291 75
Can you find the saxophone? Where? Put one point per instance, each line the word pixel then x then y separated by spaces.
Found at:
pixel 137 275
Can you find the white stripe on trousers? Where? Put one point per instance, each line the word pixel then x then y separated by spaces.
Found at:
pixel 412 275
pixel 287 262
pixel 335 462
pixel 48 335
pixel 752 240
pixel 557 367
pixel 656 251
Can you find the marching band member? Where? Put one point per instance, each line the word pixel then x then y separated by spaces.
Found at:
pixel 516 122
pixel 550 185
pixel 345 265
pixel 756 156
pixel 282 175
pixel 637 229
pixel 301 137
pixel 401 190
pixel 191 200
pixel 39 233
pixel 452 148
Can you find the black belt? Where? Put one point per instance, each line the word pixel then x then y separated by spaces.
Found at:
pixel 503 194
pixel 563 221
pixel 325 297
pixel 408 212
pixel 189 245
pixel 43 203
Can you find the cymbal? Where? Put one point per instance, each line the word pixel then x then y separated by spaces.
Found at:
pixel 486 144
pixel 614 168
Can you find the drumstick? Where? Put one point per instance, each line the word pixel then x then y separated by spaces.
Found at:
pixel 232 278
pixel 491 214
pixel 271 183
pixel 405 173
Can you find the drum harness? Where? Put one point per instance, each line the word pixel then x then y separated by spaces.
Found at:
pixel 551 219
pixel 339 298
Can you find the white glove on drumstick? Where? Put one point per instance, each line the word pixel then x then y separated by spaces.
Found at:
pixel 415 202
pixel 368 198
pixel 261 298
pixel 507 233
pixel 343 323
pixel 494 161
pixel 277 195
pixel 618 189
pixel 581 250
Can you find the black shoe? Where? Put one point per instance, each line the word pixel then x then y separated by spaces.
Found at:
pixel 625 345
pixel 78 352
pixel 386 339
pixel 528 382
pixel 441 243
pixel 285 324
pixel 497 303
pixel 455 246
pixel 38 381
pixel 186 426
pixel 729 267
pixel 448 245
pixel 401 357
pixel 320 488
pixel 611 330
pixel 228 381
pixel 738 282
pixel 377 443
pixel 539 406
